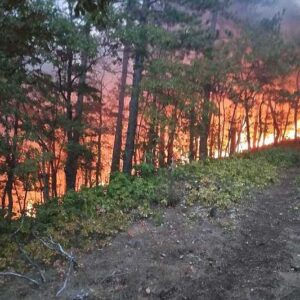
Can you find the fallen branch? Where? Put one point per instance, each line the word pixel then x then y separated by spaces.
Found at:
pixel 26 256
pixel 55 246
pixel 66 279
pixel 20 276
pixel 33 263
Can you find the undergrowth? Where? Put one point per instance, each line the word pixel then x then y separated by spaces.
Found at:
pixel 90 217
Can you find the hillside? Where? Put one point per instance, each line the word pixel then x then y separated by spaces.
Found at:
pixel 237 240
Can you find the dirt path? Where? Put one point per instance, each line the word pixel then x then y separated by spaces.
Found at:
pixel 251 252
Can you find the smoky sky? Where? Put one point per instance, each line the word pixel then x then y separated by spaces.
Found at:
pixel 256 10
pixel 291 17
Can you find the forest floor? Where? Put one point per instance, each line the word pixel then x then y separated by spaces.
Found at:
pixel 251 251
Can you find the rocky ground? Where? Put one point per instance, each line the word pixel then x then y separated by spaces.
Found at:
pixel 249 252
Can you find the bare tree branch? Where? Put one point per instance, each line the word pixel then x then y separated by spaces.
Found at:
pixel 51 244
pixel 20 276
pixel 71 262
pixel 57 247
pixel 33 263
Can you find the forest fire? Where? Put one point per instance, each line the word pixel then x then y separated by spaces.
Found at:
pixel 180 152
pixel 174 101
pixel 149 149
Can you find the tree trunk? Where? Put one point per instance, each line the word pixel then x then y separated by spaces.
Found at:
pixel 286 123
pixel 205 123
pixel 206 110
pixel 135 94
pixel 260 123
pixel 223 128
pixel 231 143
pixel 12 164
pixel 99 141
pixel 74 133
pixel 275 123
pixel 239 133
pixel 45 181
pixel 53 180
pixel 265 131
pixel 170 147
pixel 220 129
pixel 296 119
pixel 3 204
pixel 255 133
pixel 133 112
pixel 171 136
pixel 9 188
pixel 99 159
pixel 247 119
pixel 297 105
pixel 192 153
pixel 115 165
pixel 152 135
pixel 212 138
pixel 162 155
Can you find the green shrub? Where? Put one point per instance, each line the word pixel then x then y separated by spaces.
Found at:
pixel 145 170
pixel 225 181
pixel 92 215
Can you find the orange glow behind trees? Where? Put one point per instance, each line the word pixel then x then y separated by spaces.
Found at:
pixel 233 84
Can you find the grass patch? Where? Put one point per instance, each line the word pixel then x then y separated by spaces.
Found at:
pixel 224 182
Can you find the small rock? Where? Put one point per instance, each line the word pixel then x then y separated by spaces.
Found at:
pixel 188 186
pixel 295 268
pixel 148 291
pixel 189 270
pixel 136 244
pixel 213 212
pixel 82 295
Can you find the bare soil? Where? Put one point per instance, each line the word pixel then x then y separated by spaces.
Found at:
pixel 249 252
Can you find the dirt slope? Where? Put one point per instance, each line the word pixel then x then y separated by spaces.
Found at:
pixel 250 252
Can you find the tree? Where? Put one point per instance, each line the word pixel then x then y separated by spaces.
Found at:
pixel 74 53
pixel 24 37
pixel 125 39
pixel 139 57
pixel 91 6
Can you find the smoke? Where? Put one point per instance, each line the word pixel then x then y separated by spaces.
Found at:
pixel 256 10
pixel 291 20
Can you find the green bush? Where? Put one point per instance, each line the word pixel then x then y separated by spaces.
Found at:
pixel 223 182
pixel 81 219
pixel 145 170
